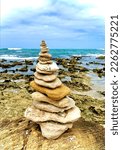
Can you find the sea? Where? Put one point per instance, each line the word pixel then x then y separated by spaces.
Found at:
pixel 21 53
pixel 88 59
pixel 87 55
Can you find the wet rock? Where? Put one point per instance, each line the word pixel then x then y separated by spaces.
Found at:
pixel 6 65
pixel 13 71
pixel 7 80
pixel 100 57
pixel 102 92
pixel 8 84
pixel 91 109
pixel 81 81
pixel 75 68
pixel 29 62
pixel 23 69
pixel 80 86
pixel 77 57
pixel 33 69
pixel 97 63
pixel 83 69
pixel 5 71
pixel 62 61
pixel 17 63
pixel 28 78
pixel 17 76
pixel 11 64
pixel 2 60
pixel 73 61
pixel 100 72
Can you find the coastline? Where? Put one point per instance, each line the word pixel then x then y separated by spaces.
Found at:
pixel 84 83
pixel 15 97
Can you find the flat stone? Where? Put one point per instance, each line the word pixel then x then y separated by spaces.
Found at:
pixel 54 94
pixel 48 107
pixel 47 67
pixel 46 78
pixel 37 115
pixel 52 130
pixel 46 55
pixel 66 102
pixel 46 62
pixel 44 50
pixel 44 58
pixel 43 44
pixel 53 84
pixel 44 72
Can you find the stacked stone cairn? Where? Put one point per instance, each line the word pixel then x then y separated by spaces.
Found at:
pixel 52 109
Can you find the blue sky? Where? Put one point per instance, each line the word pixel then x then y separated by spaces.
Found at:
pixel 62 23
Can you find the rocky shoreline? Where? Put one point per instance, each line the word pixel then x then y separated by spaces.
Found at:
pixel 15 90
pixel 72 74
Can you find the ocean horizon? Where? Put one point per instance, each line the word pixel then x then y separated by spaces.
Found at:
pixel 27 53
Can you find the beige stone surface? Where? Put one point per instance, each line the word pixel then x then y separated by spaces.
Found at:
pixel 20 134
pixel 66 102
pixel 53 84
pixel 46 62
pixel 54 94
pixel 37 115
pixel 44 58
pixel 46 55
pixel 43 44
pixel 44 50
pixel 46 78
pixel 52 130
pixel 47 67
pixel 48 107
pixel 44 72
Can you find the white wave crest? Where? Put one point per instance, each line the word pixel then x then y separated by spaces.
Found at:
pixel 14 57
pixel 95 55
pixel 14 48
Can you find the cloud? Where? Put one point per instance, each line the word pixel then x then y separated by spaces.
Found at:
pixel 52 20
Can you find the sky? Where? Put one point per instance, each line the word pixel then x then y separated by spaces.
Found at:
pixel 61 23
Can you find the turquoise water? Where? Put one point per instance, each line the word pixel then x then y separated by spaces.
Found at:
pixel 89 55
pixel 62 53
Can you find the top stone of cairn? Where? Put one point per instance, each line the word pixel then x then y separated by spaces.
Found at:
pixel 43 44
pixel 44 48
pixel 44 56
